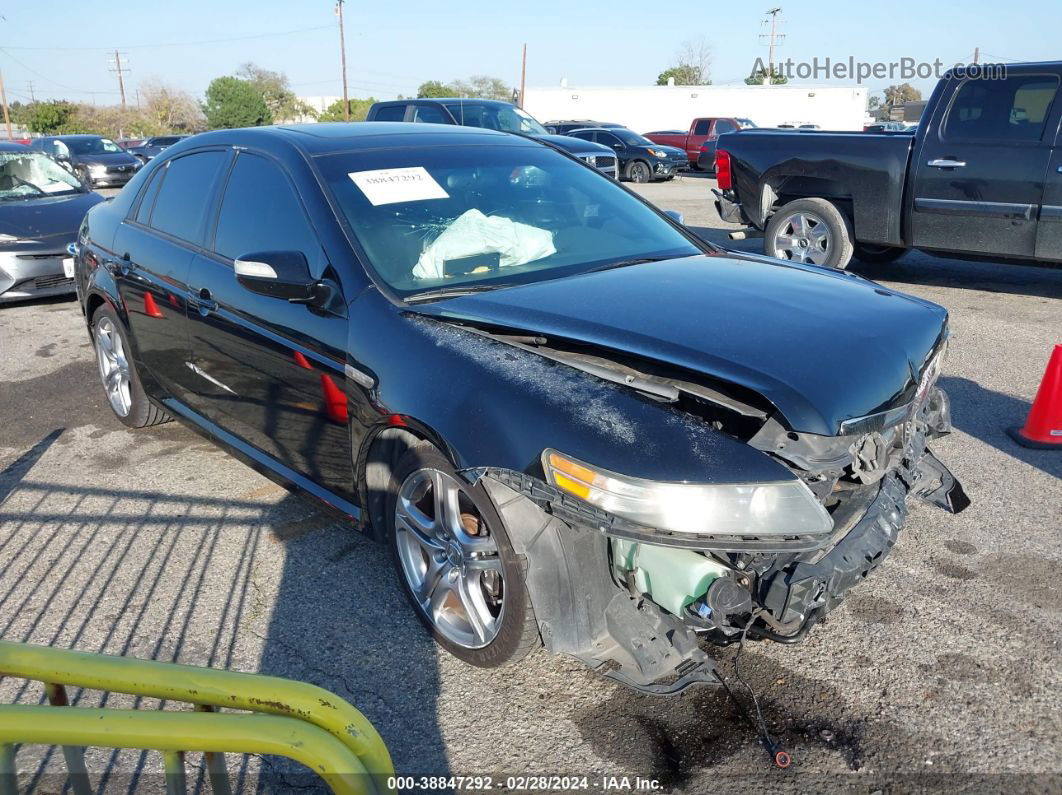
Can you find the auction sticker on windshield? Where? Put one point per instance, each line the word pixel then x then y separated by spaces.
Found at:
pixel 393 185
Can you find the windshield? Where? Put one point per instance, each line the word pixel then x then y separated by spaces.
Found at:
pixel 495 117
pixel 630 137
pixel 166 140
pixel 25 174
pixel 92 146
pixel 746 123
pixel 478 217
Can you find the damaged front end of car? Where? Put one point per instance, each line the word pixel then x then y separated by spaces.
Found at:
pixel 630 576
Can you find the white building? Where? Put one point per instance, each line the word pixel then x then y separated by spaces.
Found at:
pixel 647 108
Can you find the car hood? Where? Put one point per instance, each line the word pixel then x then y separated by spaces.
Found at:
pixel 575 145
pixel 823 346
pixel 45 216
pixel 108 159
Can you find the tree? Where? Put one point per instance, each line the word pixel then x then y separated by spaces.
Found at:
pixel 359 109
pixel 478 86
pixel 169 108
pixel 231 102
pixel 896 96
pixel 276 91
pixel 759 76
pixel 692 65
pixel 49 117
pixel 434 89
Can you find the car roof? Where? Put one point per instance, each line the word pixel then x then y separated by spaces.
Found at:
pixel 476 100
pixel 74 136
pixel 11 146
pixel 327 137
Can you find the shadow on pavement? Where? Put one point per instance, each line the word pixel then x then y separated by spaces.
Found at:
pixel 248 583
pixel 986 415
pixel 923 269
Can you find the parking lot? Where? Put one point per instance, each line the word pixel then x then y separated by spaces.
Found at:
pixel 157 544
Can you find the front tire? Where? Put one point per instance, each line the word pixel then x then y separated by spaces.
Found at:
pixel 639 171
pixel 121 382
pixel 878 255
pixel 812 231
pixel 455 562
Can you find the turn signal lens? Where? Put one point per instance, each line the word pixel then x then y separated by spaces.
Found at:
pixel 722 170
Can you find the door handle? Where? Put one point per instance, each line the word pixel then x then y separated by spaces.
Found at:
pixel 946 163
pixel 205 302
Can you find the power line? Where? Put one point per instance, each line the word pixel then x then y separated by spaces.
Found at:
pixel 155 45
pixel 49 80
pixel 771 37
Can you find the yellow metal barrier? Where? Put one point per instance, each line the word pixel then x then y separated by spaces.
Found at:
pixel 293 719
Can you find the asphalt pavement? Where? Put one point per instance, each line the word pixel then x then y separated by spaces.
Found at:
pixel 942 670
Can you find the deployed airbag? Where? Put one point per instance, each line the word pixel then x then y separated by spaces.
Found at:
pixel 473 233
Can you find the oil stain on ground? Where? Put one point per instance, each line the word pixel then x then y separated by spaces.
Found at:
pixel 678 738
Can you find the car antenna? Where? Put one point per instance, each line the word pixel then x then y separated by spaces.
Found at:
pixel 780 757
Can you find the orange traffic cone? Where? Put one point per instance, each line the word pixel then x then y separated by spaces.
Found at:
pixel 1043 428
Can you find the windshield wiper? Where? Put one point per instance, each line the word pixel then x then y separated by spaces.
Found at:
pixel 452 292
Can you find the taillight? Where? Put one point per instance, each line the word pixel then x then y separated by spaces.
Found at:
pixel 722 170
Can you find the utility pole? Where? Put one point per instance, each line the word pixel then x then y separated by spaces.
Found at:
pixel 774 34
pixel 523 76
pixel 3 101
pixel 121 79
pixel 343 59
pixel 29 83
pixel 977 55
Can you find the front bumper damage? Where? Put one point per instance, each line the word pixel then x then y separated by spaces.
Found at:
pixel 615 627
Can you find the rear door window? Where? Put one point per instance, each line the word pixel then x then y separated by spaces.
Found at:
pixel 261 212
pixel 390 113
pixel 701 128
pixel 1013 109
pixel 430 114
pixel 724 126
pixel 183 200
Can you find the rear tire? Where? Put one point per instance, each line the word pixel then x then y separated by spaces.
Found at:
pixel 118 373
pixel 811 231
pixel 878 255
pixel 455 562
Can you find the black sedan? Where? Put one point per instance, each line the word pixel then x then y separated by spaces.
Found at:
pixel 573 422
pixel 41 207
pixel 153 147
pixel 96 160
pixel 640 160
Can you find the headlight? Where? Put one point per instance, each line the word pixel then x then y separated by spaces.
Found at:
pixel 95 168
pixel 730 509
pixel 930 374
pixel 657 153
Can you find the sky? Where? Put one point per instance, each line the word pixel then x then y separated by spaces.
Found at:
pixel 63 49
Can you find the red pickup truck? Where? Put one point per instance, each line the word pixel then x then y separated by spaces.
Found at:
pixel 703 132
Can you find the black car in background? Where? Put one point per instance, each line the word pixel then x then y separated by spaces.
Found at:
pixel 491 114
pixel 640 160
pixel 152 147
pixel 96 160
pixel 572 421
pixel 41 207
pixel 566 126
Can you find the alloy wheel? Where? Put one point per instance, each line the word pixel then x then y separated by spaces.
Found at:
pixel 114 366
pixel 449 558
pixel 639 172
pixel 803 237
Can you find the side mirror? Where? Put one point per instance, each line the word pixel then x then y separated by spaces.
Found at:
pixel 675 216
pixel 280 274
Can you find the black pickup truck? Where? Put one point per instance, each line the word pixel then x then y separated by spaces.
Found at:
pixel 981 177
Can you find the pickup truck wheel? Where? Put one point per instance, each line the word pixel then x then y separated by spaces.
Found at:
pixel 455 562
pixel 865 252
pixel 809 230
pixel 637 171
